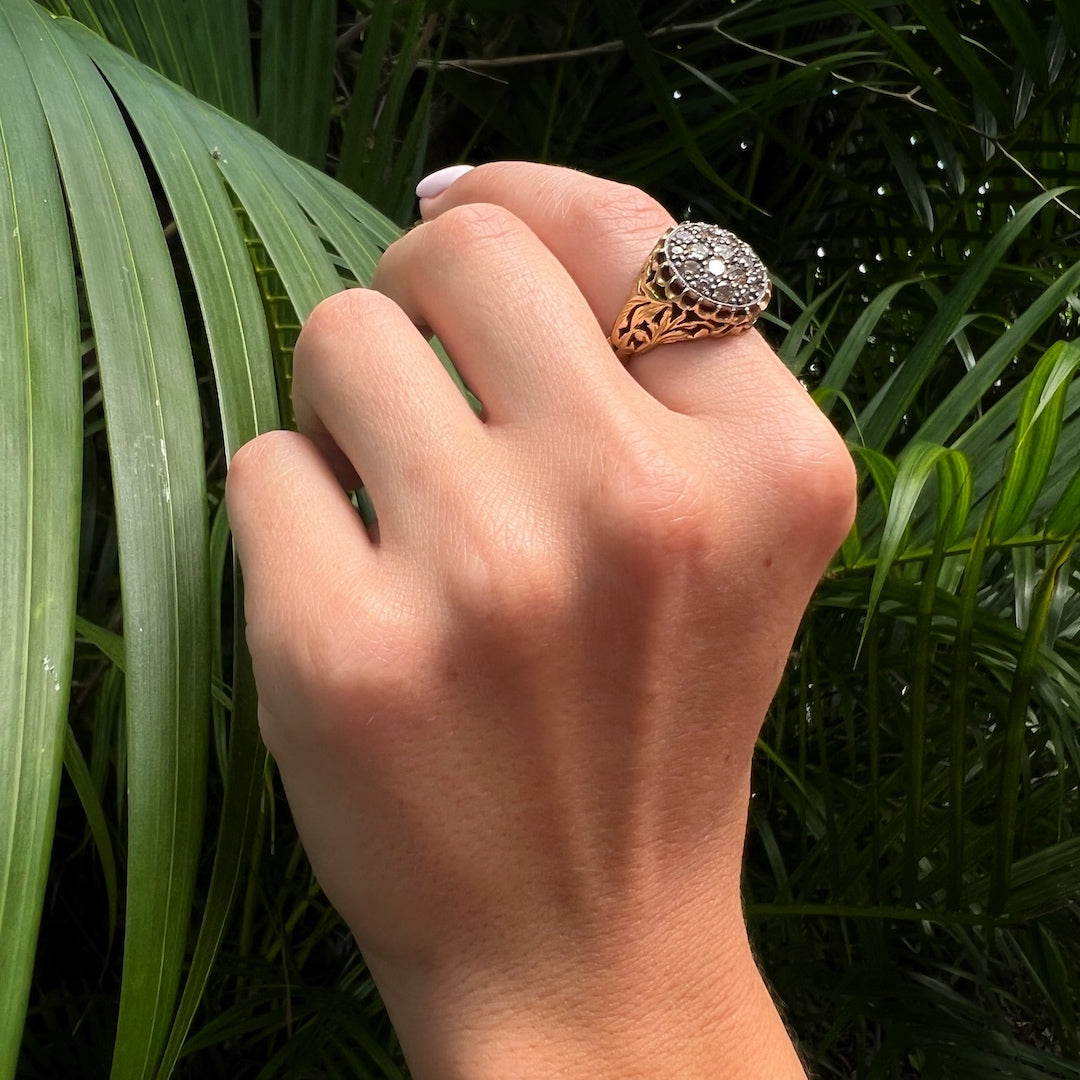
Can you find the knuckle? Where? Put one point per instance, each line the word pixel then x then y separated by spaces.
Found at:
pixel 475 223
pixel 244 466
pixel 624 206
pixel 618 218
pixel 829 483
pixel 460 240
pixel 518 580
pixel 332 312
pixel 621 221
pixel 336 315
pixel 259 458
pixel 325 657
pixel 354 655
pixel 658 509
pixel 254 451
pixel 532 583
pixel 817 485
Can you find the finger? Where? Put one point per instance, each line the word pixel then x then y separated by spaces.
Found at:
pixel 510 316
pixel 599 230
pixel 366 382
pixel 602 232
pixel 760 426
pixel 297 535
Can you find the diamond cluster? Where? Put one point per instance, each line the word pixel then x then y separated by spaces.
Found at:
pixel 716 264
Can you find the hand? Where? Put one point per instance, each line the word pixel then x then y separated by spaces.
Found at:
pixel 515 727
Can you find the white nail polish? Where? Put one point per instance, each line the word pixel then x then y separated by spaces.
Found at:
pixel 437 182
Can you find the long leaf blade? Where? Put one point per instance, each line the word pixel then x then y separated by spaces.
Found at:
pixel 296 76
pixel 40 430
pixel 1035 438
pixel 155 445
pixel 229 299
pixel 914 469
pixel 882 416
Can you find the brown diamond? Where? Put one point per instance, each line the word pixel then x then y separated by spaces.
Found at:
pixel 716 264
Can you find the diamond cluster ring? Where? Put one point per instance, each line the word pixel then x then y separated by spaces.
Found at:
pixel 699 281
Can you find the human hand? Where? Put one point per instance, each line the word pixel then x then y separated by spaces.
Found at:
pixel 515 729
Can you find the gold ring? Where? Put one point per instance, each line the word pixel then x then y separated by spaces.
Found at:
pixel 699 281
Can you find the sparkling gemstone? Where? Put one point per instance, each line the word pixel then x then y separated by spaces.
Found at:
pixel 716 264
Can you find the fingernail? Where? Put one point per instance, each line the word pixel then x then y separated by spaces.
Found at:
pixel 437 182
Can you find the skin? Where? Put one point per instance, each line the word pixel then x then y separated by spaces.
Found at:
pixel 515 725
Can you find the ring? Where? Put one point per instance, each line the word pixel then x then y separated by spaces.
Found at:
pixel 699 281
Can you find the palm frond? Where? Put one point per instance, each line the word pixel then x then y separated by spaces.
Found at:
pixel 149 343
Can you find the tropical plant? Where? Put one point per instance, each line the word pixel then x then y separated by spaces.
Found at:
pixel 907 170
pixel 137 358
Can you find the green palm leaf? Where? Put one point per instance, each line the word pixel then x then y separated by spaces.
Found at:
pixel 155 443
pixel 1035 440
pixel 40 429
pixel 884 412
pixel 144 353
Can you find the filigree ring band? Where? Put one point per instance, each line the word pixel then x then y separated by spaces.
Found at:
pixel 699 281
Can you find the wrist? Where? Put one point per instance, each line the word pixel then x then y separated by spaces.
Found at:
pixel 688 1014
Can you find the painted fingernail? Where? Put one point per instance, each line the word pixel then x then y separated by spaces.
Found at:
pixel 437 182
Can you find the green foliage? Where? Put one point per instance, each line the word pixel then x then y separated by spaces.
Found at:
pixel 179 367
pixel 908 171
